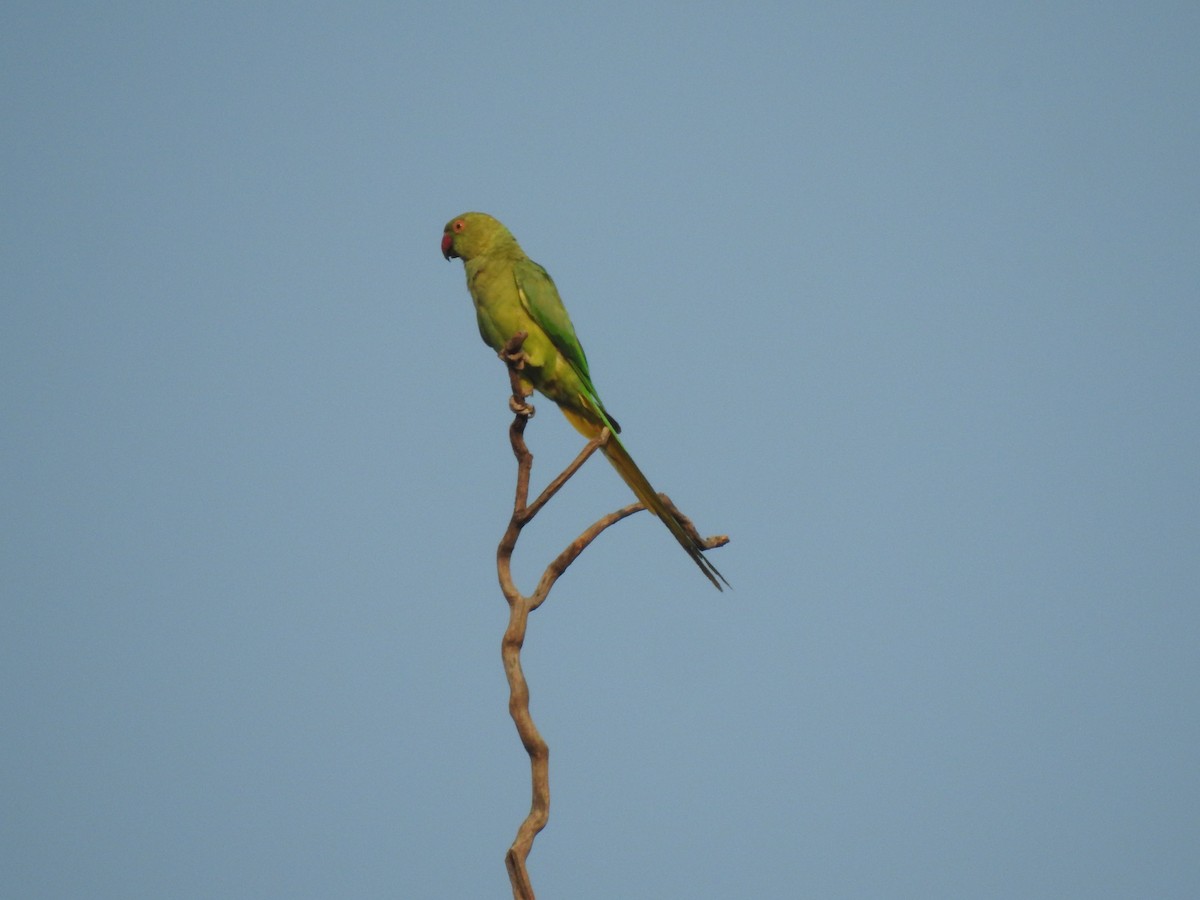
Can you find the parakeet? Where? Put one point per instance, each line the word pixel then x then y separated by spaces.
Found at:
pixel 513 293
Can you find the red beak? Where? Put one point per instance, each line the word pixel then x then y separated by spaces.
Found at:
pixel 447 248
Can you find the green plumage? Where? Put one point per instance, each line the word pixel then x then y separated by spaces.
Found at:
pixel 513 293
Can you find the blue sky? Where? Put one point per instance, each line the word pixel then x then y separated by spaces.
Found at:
pixel 903 299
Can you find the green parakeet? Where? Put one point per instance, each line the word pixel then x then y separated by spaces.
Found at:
pixel 513 293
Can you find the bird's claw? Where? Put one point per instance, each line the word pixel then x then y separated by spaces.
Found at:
pixel 520 407
pixel 512 354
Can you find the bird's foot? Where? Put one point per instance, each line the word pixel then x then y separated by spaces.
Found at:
pixel 512 354
pixel 520 407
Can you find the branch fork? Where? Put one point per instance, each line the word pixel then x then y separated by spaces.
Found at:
pixel 521 605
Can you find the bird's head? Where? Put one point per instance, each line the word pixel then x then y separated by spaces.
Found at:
pixel 471 234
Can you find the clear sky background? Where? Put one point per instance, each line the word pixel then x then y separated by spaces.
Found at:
pixel 906 300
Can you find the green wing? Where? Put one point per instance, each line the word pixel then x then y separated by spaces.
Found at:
pixel 540 299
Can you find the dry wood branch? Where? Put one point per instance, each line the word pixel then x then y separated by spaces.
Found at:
pixel 708 543
pixel 577 546
pixel 552 488
pixel 535 746
pixel 520 606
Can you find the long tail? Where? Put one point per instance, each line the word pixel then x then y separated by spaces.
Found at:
pixel 632 476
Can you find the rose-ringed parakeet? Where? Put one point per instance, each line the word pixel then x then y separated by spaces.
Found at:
pixel 513 293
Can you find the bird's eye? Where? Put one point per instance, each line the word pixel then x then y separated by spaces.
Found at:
pixel 458 226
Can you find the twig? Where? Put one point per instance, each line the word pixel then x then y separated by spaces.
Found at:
pixel 520 606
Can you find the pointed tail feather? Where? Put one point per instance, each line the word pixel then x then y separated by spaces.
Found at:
pixel 632 476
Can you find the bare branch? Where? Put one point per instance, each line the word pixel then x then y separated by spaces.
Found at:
pixel 553 487
pixel 520 606
pixel 535 746
pixel 708 543
pixel 577 546
pixel 514 634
